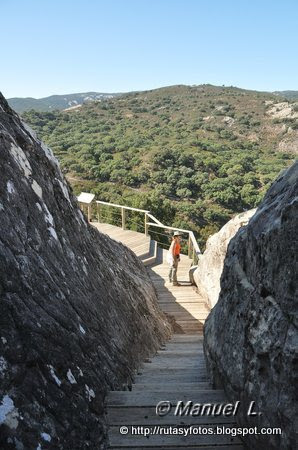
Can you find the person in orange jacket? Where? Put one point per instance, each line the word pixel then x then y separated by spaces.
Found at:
pixel 174 257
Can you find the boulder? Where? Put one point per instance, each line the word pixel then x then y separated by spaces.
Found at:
pixel 78 313
pixel 208 272
pixel 250 336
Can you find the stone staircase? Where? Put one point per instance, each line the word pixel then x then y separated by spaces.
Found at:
pixel 176 373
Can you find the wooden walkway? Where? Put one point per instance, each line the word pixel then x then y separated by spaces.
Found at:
pixel 176 373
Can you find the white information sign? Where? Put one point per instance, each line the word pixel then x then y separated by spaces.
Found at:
pixel 86 197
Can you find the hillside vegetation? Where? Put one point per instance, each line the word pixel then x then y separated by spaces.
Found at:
pixel 194 156
pixel 290 95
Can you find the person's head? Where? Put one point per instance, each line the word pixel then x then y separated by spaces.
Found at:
pixel 177 236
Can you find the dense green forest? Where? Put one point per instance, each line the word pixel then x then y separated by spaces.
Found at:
pixel 194 156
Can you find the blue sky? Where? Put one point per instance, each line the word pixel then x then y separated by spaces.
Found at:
pixel 64 46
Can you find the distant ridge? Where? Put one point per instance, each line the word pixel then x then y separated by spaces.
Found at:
pixel 60 102
pixel 290 95
pixel 56 102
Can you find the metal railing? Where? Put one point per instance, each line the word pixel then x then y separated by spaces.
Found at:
pixel 193 248
pixel 124 210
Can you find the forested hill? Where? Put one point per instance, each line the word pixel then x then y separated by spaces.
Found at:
pixel 192 155
pixel 290 95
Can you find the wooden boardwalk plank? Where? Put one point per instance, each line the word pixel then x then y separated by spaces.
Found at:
pixel 165 387
pixel 164 441
pixel 230 446
pixel 147 416
pixel 132 398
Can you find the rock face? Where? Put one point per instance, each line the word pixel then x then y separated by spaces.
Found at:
pixel 251 333
pixel 78 312
pixel 210 265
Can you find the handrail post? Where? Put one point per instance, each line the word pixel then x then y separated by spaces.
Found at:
pixel 146 224
pixel 98 212
pixel 189 246
pixel 123 216
pixel 89 213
